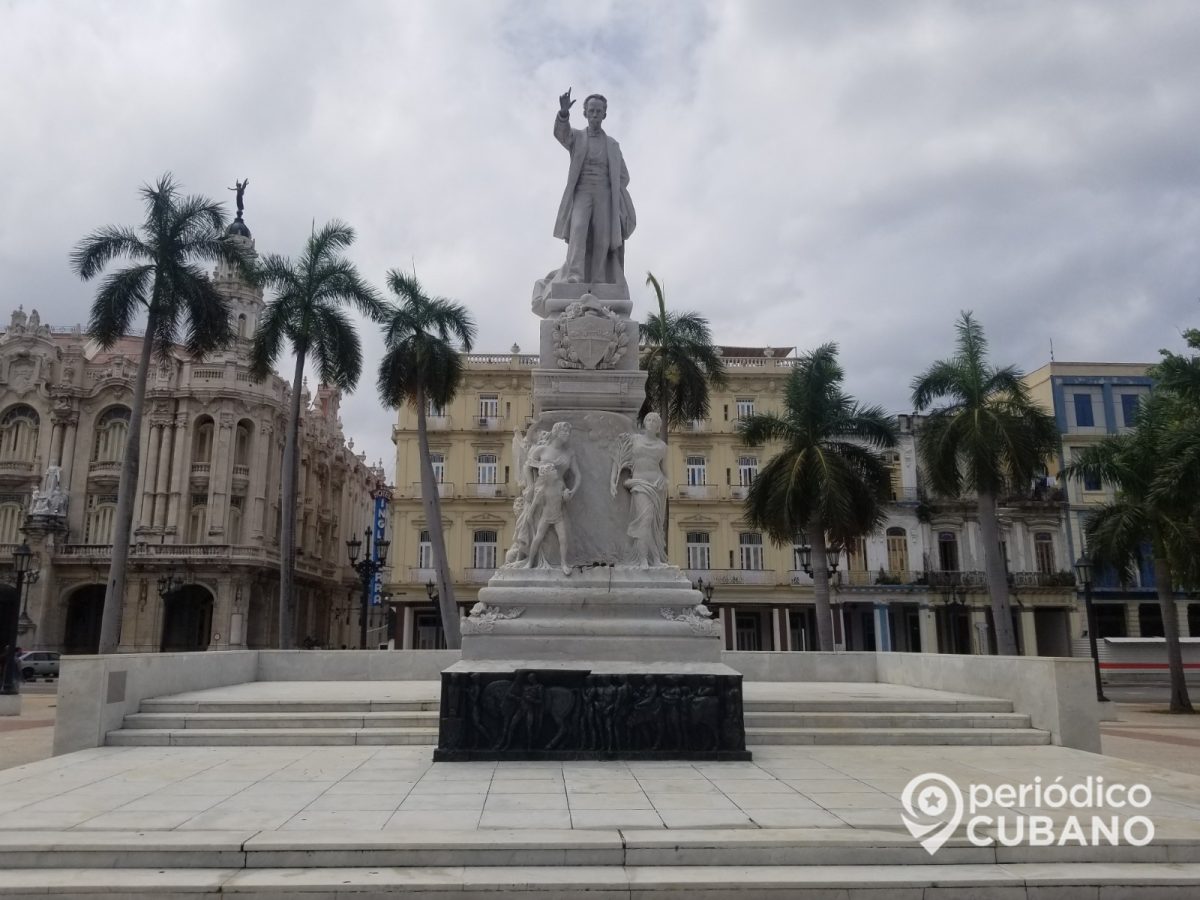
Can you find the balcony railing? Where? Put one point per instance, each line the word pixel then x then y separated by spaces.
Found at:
pixel 444 488
pixel 697 426
pixel 948 579
pixel 732 576
pixel 105 467
pixel 739 491
pixel 478 576
pixel 880 577
pixel 1062 579
pixel 199 468
pixel 438 423
pixel 418 575
pixel 698 492
pixel 489 423
pixel 241 471
pixel 904 495
pixel 488 491
pixel 16 466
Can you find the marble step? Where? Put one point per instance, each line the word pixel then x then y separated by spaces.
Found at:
pixel 167 705
pixel 755 719
pixel 212 737
pixel 166 720
pixel 1010 737
pixel 853 705
pixel 1045 881
pixel 708 847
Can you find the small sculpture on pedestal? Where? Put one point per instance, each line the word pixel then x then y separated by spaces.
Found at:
pixel 543 477
pixel 50 499
pixel 643 454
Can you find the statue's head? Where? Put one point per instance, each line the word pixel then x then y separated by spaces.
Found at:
pixel 653 423
pixel 595 108
pixel 561 430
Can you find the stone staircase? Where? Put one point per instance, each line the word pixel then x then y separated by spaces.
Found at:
pixel 772 718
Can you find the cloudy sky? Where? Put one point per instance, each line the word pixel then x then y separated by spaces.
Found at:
pixel 802 171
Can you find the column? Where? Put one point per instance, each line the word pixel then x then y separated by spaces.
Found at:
pixel 257 489
pixel 1133 622
pixel 70 431
pixel 406 629
pixel 1029 632
pixel 219 476
pixel 785 631
pixel 883 629
pixel 927 618
pixel 179 489
pixel 163 481
pixel 776 637
pixel 146 519
pixel 980 640
pixel 56 441
pixel 1181 616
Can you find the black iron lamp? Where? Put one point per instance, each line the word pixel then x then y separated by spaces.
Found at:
pixel 1083 571
pixel 707 588
pixel 831 559
pixel 366 568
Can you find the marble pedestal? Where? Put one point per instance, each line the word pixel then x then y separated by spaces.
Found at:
pixel 609 662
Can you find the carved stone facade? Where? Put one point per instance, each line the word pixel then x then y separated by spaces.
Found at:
pixel 207 508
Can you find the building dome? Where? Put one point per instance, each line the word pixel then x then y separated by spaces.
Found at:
pixel 238 227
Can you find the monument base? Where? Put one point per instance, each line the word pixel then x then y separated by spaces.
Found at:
pixel 596 710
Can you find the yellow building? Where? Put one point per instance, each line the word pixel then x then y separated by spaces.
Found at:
pixel 914 585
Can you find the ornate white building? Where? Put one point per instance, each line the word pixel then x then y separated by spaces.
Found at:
pixel 203 568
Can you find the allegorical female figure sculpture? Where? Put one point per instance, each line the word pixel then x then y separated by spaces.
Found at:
pixel 549 477
pixel 643 454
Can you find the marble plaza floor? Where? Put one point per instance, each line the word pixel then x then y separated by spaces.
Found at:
pixel 362 788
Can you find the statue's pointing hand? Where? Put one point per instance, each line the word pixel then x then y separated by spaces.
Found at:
pixel 565 102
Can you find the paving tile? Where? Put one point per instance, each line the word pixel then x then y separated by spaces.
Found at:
pixel 237 819
pixel 430 820
pixel 771 800
pixel 692 801
pixel 704 818
pixel 608 801
pixel 122 820
pixel 449 802
pixel 615 818
pixel 359 819
pixel 525 819
pixel 793 818
pixel 854 801
pixel 525 786
pixel 502 802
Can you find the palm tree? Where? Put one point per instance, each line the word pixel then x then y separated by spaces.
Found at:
pixel 1141 511
pixel 179 234
pixel 422 366
pixel 682 365
pixel 988 437
pixel 308 313
pixel 829 482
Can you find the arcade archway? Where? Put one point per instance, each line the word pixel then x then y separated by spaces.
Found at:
pixel 187 619
pixel 85 607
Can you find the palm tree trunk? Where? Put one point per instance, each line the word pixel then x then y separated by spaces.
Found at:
pixel 666 431
pixel 1180 701
pixel 996 574
pixel 114 597
pixel 287 530
pixel 820 576
pixel 432 503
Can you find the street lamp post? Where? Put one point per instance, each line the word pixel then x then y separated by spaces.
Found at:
pixel 22 557
pixel 367 569
pixel 1083 570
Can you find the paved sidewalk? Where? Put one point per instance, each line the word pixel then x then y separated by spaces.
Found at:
pixel 30 736
pixel 1145 732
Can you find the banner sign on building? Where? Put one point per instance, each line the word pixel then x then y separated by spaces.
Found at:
pixel 378 529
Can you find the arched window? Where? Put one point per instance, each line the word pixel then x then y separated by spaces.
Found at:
pixel 241 447
pixel 101 511
pixel 19 434
pixel 202 444
pixel 897 549
pixel 241 326
pixel 12 515
pixel 111 430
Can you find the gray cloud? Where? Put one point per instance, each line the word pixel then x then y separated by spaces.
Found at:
pixel 856 172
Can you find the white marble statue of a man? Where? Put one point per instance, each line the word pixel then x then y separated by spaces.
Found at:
pixel 643 455
pixel 595 215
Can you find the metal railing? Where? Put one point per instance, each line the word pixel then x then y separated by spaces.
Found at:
pixel 489 423
pixel 438 423
pixel 732 576
pixel 444 488
pixel 698 492
pixel 488 491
